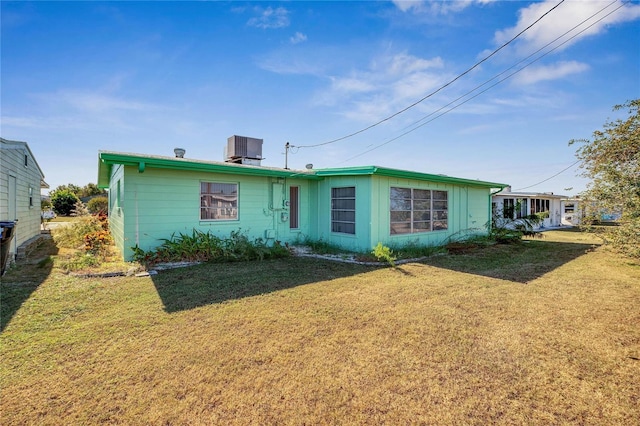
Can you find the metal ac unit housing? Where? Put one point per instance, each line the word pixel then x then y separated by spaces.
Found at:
pixel 243 147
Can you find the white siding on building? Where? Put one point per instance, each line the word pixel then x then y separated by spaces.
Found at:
pixel 522 204
pixel 19 167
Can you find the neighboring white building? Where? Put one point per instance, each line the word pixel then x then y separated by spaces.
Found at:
pixel 571 211
pixel 20 182
pixel 515 205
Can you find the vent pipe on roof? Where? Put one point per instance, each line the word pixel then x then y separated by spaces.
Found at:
pixel 179 152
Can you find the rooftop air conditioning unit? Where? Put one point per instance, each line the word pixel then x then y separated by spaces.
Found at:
pixel 242 147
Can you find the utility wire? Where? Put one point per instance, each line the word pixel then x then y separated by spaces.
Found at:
pixel 523 60
pixel 477 64
pixel 549 178
pixel 491 79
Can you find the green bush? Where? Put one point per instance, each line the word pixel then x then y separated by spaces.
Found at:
pixel 507 231
pixel 204 246
pixel 98 205
pixel 73 236
pixel 64 202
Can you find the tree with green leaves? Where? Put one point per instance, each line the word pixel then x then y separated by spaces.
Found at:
pixel 64 201
pixel 90 189
pixel 611 160
pixel 98 205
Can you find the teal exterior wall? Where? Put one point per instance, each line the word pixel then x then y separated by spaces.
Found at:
pixel 468 212
pixel 116 207
pixel 360 240
pixel 158 203
pixel 152 198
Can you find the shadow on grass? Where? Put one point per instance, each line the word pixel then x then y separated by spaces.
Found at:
pixel 21 280
pixel 520 263
pixel 211 283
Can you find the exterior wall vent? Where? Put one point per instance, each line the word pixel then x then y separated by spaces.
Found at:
pixel 244 150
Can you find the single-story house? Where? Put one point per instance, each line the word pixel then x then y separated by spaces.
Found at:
pixel 21 179
pixel 516 205
pixel 571 211
pixel 152 197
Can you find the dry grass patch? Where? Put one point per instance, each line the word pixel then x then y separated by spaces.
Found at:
pixel 305 341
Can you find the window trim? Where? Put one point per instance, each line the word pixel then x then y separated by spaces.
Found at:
pixel 412 220
pixel 237 202
pixel 332 210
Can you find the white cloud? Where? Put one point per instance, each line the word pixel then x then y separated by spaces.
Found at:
pixel 298 37
pixel 403 63
pixel 436 7
pixel 282 64
pixel 98 102
pixel 348 85
pixel 387 85
pixel 83 110
pixel 561 20
pixel 270 18
pixel 555 71
pixel 405 5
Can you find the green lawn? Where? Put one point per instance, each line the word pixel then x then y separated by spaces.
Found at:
pixel 546 332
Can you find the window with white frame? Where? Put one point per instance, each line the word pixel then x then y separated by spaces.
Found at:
pixel 343 210
pixel 218 201
pixel 418 210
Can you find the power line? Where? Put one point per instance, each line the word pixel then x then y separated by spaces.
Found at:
pixel 477 64
pixel 549 178
pixel 493 78
pixel 526 58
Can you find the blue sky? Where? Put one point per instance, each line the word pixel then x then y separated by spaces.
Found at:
pixel 146 77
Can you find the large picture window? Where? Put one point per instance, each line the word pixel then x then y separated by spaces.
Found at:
pixel 218 201
pixel 539 206
pixel 514 208
pixel 418 210
pixel 343 210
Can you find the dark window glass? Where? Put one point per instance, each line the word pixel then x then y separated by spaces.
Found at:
pixel 343 210
pixel 417 210
pixel 218 201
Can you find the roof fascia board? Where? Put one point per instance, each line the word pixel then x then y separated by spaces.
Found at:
pixel 406 174
pixel 109 158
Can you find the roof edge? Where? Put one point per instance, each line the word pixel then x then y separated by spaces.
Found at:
pixel 35 160
pixel 109 158
pixel 406 174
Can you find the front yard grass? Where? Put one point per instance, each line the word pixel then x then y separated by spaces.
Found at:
pixel 545 332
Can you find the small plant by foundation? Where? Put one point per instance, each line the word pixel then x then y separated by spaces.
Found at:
pixel 384 254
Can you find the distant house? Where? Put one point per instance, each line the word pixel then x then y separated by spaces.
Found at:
pixel 516 205
pixel 571 211
pixel 152 197
pixel 20 182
